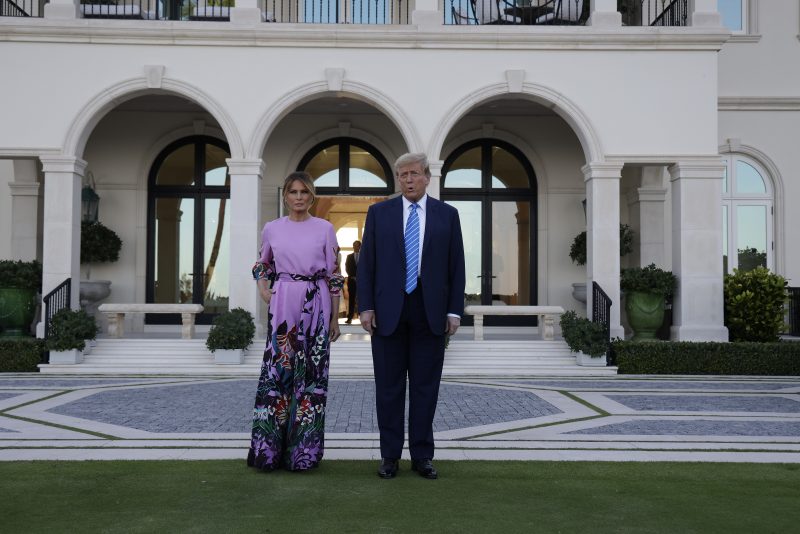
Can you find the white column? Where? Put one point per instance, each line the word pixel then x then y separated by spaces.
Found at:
pixel 245 233
pixel 604 14
pixel 602 236
pixel 62 9
pixel 704 13
pixel 697 251
pixel 647 216
pixel 62 223
pixel 426 14
pixel 246 13
pixel 24 210
pixel 435 187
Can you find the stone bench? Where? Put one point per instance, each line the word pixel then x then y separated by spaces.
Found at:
pixel 546 315
pixel 116 315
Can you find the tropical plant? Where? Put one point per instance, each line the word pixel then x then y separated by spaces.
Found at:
pixel 650 279
pixel 577 251
pixel 21 275
pixel 754 304
pixel 233 329
pixel 69 329
pixel 583 335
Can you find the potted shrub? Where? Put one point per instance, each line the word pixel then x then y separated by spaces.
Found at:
pixel 20 281
pixel 69 330
pixel 646 290
pixel 231 333
pixel 99 244
pixel 577 253
pixel 589 340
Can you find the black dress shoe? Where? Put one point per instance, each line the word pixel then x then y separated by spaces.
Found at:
pixel 388 468
pixel 425 469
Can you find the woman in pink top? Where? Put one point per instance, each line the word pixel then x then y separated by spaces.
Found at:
pixel 298 277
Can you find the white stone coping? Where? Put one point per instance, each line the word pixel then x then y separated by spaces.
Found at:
pixel 546 315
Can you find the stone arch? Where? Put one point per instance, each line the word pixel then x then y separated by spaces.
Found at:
pixel 87 118
pixel 306 93
pixel 567 110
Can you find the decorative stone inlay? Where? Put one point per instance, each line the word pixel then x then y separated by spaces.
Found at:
pixel 707 403
pixel 226 406
pixel 700 427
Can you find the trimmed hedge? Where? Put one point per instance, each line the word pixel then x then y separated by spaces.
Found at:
pixel 708 358
pixel 20 355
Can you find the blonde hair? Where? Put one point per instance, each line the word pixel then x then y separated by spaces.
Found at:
pixel 412 158
pixel 305 179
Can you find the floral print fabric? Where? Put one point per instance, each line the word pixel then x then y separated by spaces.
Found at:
pixel 302 260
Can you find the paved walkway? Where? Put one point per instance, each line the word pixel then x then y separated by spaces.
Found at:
pixel 612 419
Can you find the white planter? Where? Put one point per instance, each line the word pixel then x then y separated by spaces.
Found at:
pixel 579 291
pixel 584 360
pixel 229 356
pixel 66 357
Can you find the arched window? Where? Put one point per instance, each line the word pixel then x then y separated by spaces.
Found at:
pixel 747 215
pixel 348 166
pixel 187 230
pixel 493 186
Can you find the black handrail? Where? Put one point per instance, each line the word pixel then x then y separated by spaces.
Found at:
pixel 601 313
pixel 9 8
pixel 56 300
pixel 793 308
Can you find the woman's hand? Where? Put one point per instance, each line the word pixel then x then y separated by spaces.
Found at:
pixel 264 291
pixel 334 330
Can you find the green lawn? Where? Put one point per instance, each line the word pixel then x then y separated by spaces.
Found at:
pixel 226 496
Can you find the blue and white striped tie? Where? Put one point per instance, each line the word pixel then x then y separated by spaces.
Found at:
pixel 412 248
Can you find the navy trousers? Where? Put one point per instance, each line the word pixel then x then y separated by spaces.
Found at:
pixel 412 351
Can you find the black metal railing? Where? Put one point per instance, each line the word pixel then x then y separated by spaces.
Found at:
pixel 157 9
pixel 793 311
pixel 56 300
pixel 601 314
pixel 22 8
pixel 654 12
pixel 517 12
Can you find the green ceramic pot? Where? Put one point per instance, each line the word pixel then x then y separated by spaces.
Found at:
pixel 645 314
pixel 17 307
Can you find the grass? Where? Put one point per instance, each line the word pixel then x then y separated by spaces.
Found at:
pixel 340 496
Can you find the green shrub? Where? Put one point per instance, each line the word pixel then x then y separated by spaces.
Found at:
pixel 583 335
pixel 232 329
pixel 69 329
pixel 99 244
pixel 20 355
pixel 754 304
pixel 650 279
pixel 577 251
pixel 21 275
pixel 708 358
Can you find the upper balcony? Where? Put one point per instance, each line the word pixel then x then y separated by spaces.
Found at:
pixel 365 12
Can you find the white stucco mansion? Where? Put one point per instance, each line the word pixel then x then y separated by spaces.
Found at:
pixel 186 118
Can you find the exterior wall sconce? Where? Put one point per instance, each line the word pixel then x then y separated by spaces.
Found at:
pixel 90 200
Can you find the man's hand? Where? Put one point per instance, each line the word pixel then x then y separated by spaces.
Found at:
pixel 452 324
pixel 368 321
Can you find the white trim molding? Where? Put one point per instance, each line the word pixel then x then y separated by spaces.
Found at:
pixel 758 103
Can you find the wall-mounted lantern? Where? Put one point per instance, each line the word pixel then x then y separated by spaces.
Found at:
pixel 90 200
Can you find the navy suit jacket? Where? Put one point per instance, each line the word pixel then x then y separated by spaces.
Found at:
pixel 382 265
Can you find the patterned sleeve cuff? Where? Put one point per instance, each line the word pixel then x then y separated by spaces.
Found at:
pixel 262 271
pixel 335 283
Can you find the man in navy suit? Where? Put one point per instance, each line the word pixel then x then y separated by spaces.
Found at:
pixel 411 296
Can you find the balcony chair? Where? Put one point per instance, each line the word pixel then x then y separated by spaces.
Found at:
pixel 490 12
pixel 565 12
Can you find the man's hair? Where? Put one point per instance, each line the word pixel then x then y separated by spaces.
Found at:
pixel 411 158
pixel 356 241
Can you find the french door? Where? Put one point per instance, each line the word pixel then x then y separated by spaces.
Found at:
pixel 188 227
pixel 492 186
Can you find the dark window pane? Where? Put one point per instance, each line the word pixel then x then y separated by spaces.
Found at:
pixel 507 171
pixel 178 167
pixel 465 172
